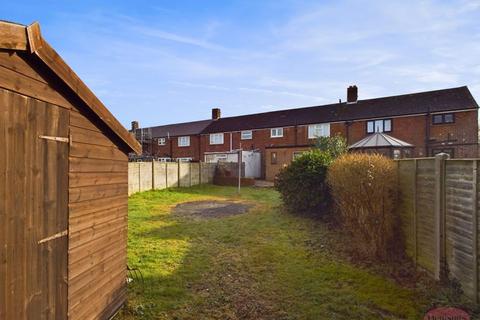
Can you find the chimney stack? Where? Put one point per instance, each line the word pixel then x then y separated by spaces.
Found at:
pixel 134 126
pixel 352 94
pixel 216 113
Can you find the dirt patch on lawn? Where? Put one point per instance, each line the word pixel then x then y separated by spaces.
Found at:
pixel 211 209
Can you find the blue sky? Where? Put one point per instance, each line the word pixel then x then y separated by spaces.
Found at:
pixel 161 62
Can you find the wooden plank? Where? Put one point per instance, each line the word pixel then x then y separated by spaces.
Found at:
pixel 53 60
pixel 475 229
pixel 105 259
pixel 97 165
pixel 13 61
pixel 88 306
pixel 13 36
pixel 91 137
pixel 84 208
pixel 27 86
pixel 84 236
pixel 88 221
pixel 84 179
pixel 98 270
pixel 83 150
pixel 79 253
pixel 89 193
pixel 4 213
pixel 79 120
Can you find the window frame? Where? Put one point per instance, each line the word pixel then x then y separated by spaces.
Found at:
pixel 276 130
pixel 212 135
pixel 162 141
pixel 373 122
pixel 245 131
pixel 273 157
pixel 442 118
pixel 183 145
pixel 322 128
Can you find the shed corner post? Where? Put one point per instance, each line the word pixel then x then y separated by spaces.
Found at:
pixel 475 229
pixel 439 210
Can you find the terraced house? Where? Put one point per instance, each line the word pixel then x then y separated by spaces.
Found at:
pixel 434 121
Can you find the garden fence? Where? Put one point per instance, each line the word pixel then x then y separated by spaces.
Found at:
pixel 144 176
pixel 438 204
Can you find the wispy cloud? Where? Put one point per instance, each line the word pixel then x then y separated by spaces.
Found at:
pixel 174 61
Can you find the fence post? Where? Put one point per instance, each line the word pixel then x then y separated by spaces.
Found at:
pixel 475 229
pixel 139 176
pixel 178 173
pixel 440 268
pixel 166 175
pixel 190 172
pixel 153 174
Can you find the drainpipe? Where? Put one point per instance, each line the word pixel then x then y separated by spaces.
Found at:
pixel 427 132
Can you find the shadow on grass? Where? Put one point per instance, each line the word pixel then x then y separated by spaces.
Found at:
pixel 256 265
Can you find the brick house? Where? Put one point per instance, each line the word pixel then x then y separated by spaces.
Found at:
pixel 173 142
pixel 434 121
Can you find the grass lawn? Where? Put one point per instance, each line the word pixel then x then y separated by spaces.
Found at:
pixel 263 264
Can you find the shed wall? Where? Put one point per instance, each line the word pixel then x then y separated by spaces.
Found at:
pixel 97 192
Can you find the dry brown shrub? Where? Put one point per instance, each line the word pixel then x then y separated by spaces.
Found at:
pixel 363 187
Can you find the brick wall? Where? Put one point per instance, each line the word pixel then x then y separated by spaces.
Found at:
pixel 172 150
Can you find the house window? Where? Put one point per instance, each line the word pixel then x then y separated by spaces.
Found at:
pixel 273 159
pixel 184 159
pixel 276 133
pixel 443 118
pixel 382 125
pixel 216 138
pixel 318 130
pixel 246 135
pixel 297 154
pixel 184 141
pixel 161 141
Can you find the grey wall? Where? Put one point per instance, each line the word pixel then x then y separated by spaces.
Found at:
pixel 144 176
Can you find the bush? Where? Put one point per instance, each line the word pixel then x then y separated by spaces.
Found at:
pixel 363 188
pixel 302 184
pixel 334 145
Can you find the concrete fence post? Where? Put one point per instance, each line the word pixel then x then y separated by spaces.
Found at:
pixel 153 174
pixel 439 210
pixel 178 173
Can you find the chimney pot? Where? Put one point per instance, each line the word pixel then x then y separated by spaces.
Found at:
pixel 134 126
pixel 352 94
pixel 216 113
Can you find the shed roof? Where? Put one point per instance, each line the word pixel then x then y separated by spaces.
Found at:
pixel 180 129
pixel 451 99
pixel 28 38
pixel 380 140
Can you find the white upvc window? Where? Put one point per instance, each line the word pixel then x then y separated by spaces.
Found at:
pixel 246 135
pixel 318 130
pixel 184 159
pixel 184 141
pixel 161 141
pixel 276 132
pixel 216 138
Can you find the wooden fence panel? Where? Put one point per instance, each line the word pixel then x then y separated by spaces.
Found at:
pixel 439 210
pixel 425 194
pixel 406 206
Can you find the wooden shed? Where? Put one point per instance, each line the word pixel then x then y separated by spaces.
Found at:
pixel 63 188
